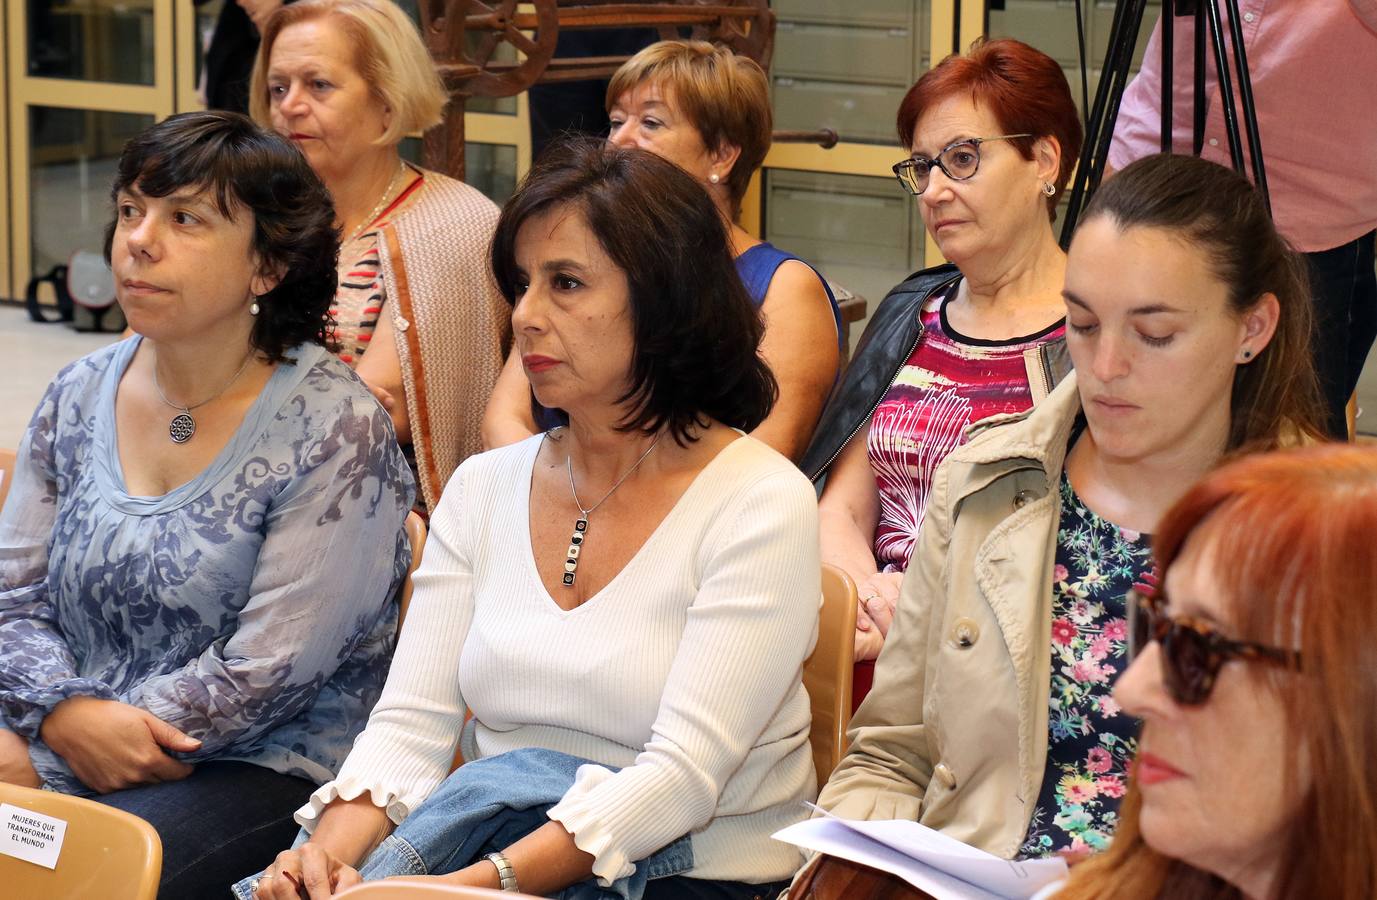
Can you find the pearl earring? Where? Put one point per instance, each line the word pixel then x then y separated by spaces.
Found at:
pixel 253 308
pixel 714 178
pixel 1048 188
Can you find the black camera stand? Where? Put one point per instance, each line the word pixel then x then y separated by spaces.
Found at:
pixel 1128 18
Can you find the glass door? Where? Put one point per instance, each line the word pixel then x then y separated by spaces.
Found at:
pixel 83 77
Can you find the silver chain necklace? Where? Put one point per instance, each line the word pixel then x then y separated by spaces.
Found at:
pixel 183 425
pixel 571 560
pixel 368 220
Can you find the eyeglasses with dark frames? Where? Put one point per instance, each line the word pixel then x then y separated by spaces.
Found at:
pixel 959 160
pixel 1193 651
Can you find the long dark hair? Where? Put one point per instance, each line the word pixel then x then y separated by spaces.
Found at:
pixel 244 168
pixel 696 333
pixel 1276 397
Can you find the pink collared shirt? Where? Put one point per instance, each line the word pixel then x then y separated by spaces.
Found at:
pixel 1314 74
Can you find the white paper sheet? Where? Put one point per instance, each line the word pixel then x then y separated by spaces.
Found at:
pixel 930 861
pixel 31 836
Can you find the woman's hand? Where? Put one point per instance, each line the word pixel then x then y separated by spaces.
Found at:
pixel 111 745
pixel 878 597
pixel 308 871
pixel 15 766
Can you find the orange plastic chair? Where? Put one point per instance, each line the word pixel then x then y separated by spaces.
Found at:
pixel 827 673
pixel 107 854
pixel 416 533
pixel 7 460
pixel 389 889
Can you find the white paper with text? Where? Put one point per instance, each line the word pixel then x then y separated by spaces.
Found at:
pixel 929 860
pixel 31 836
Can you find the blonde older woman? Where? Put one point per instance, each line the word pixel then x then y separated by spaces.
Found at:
pixel 346 80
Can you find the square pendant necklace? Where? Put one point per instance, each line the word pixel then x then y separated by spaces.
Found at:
pixel 571 560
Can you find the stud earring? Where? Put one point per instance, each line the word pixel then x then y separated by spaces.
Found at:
pixel 1048 188
pixel 253 308
pixel 714 178
pixel 1247 355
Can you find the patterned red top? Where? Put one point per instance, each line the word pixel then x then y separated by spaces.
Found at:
pixel 359 297
pixel 949 382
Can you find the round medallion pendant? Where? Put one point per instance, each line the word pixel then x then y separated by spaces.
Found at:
pixel 182 428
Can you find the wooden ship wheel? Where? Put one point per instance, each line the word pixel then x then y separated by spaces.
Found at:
pixel 472 43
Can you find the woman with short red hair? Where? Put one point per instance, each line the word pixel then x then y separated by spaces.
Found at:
pixel 993 136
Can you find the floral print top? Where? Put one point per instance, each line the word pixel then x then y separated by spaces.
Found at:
pixel 251 607
pixel 1090 741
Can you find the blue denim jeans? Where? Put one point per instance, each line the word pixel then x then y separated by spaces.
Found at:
pixel 487 805
pixel 215 822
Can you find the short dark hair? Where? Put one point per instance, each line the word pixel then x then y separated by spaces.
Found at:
pixel 1276 397
pixel 696 332
pixel 244 167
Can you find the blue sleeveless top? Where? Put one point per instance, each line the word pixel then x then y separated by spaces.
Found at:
pixel 757 267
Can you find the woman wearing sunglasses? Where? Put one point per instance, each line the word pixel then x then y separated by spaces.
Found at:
pixel 1252 679
pixel 992 717
pixel 994 135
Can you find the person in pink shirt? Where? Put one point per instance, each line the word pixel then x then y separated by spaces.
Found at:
pixel 1313 66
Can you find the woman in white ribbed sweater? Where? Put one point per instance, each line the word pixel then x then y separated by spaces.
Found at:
pixel 638 590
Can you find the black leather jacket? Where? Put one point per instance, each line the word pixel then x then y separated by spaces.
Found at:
pixel 888 342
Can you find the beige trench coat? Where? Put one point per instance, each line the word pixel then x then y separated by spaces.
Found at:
pixel 954 731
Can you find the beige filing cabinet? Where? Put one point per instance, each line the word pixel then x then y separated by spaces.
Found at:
pixel 846 65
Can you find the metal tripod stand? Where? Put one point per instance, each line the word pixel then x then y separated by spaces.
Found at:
pixel 1128 18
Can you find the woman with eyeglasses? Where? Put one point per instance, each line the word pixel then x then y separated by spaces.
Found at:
pixel 992 717
pixel 994 135
pixel 1252 682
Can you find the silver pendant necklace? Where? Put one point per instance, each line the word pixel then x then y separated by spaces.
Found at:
pixel 183 425
pixel 571 560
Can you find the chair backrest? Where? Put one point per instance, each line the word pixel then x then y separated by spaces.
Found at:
pixel 7 460
pixel 416 533
pixel 827 673
pixel 392 890
pixel 106 853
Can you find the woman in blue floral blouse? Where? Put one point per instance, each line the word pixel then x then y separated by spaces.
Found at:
pixel 204 534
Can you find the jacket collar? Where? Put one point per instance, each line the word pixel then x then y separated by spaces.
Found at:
pixel 1035 439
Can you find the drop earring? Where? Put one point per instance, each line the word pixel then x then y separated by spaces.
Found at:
pixel 254 308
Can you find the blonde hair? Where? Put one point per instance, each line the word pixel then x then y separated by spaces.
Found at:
pixel 725 96
pixel 389 56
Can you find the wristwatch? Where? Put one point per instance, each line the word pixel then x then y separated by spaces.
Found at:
pixel 505 873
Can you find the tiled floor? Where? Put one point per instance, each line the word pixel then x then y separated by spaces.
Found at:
pixel 34 353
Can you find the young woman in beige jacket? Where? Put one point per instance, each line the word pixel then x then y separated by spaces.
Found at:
pixel 991 717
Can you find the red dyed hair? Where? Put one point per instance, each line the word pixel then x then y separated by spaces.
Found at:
pixel 1290 537
pixel 1021 86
